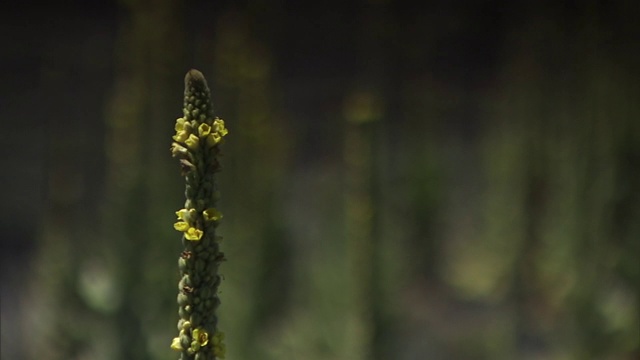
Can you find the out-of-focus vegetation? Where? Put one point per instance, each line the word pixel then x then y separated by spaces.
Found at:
pixel 444 182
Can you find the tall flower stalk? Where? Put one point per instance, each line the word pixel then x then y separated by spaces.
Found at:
pixel 197 147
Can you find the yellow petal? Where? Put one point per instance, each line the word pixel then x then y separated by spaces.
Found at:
pixel 186 215
pixel 192 142
pixel 201 336
pixel 181 214
pixel 213 139
pixel 204 129
pixel 179 124
pixel 218 127
pixel 175 344
pixel 193 234
pixel 181 226
pixel 218 124
pixel 181 136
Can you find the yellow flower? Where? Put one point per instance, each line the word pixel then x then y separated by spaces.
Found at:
pixel 181 213
pixel 218 126
pixel 204 129
pixel 180 124
pixel 212 214
pixel 181 136
pixel 192 142
pixel 213 139
pixel 181 226
pixel 175 344
pixel 177 149
pixel 193 234
pixel 186 215
pixel 201 336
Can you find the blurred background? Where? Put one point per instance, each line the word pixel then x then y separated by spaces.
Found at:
pixel 448 180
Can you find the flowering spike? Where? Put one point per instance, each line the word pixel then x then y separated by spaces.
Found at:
pixel 198 336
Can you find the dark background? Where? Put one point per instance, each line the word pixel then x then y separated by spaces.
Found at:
pixel 446 180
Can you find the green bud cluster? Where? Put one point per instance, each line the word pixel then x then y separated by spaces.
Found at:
pixel 197 147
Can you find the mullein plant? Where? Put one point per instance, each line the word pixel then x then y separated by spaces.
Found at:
pixel 197 147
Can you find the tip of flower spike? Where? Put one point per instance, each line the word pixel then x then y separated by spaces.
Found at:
pixel 194 78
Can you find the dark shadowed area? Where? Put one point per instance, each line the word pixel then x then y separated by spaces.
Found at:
pixel 447 180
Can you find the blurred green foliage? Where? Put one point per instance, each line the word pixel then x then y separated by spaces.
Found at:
pixel 414 217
